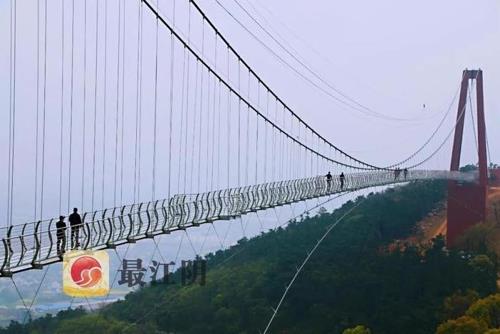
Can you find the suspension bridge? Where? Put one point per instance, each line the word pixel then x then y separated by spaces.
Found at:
pixel 150 122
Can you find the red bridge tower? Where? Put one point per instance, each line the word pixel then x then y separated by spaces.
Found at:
pixel 467 201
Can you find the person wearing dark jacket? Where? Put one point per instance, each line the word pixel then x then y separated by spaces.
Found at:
pixel 342 180
pixel 61 236
pixel 75 221
pixel 328 181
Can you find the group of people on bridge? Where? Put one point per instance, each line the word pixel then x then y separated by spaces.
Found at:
pixel 397 173
pixel 75 222
pixel 75 219
pixel 329 177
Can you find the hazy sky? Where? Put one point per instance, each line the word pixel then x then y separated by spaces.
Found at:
pixel 393 56
pixel 388 55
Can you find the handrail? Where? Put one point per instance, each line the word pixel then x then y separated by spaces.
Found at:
pixel 24 248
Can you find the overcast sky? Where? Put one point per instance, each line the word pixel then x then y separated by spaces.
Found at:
pixel 388 55
pixel 393 56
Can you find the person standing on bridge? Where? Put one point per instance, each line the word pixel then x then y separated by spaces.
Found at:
pixel 397 171
pixel 61 236
pixel 342 179
pixel 405 173
pixel 75 221
pixel 328 181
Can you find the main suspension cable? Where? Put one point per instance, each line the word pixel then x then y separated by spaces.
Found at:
pixel 462 113
pixel 369 166
pixel 237 94
pixel 433 134
pixel 351 102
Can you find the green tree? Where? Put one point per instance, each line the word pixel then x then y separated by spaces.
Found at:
pixel 486 310
pixel 462 325
pixel 91 324
pixel 483 266
pixel 476 238
pixel 468 168
pixel 457 304
pixel 357 330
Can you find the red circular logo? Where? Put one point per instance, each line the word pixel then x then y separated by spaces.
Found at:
pixel 86 271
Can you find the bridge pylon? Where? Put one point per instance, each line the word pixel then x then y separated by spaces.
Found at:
pixel 467 201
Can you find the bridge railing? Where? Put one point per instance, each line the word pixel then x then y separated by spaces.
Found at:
pixel 34 244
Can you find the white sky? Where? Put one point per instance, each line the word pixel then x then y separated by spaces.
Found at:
pixel 389 55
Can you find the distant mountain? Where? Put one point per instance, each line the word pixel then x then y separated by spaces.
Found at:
pixel 352 279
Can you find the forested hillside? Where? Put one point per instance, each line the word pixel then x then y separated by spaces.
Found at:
pixel 352 279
